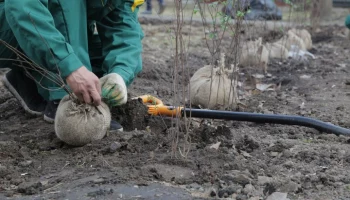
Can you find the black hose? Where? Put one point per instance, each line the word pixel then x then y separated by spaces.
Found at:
pixel 267 118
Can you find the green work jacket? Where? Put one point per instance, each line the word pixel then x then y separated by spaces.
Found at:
pixel 347 21
pixel 53 33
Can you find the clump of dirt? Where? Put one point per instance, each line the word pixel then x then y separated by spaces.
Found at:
pixel 133 115
pixel 247 144
pixel 208 134
pixel 30 188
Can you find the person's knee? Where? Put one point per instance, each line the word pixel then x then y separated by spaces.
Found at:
pixel 6 52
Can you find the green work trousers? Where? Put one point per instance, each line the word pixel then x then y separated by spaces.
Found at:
pixel 59 36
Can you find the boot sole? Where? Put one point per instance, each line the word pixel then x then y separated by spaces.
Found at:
pixel 19 98
pixel 49 120
pixel 115 131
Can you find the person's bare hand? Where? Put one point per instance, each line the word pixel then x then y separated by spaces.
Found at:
pixel 85 85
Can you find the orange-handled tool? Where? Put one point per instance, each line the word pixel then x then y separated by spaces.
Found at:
pixel 150 99
pixel 156 107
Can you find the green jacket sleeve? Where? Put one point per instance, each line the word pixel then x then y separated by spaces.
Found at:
pixel 121 35
pixel 34 28
pixel 347 21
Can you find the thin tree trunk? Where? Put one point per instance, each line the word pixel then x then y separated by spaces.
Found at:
pixel 320 10
pixel 326 9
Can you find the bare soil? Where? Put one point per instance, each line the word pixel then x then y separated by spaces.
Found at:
pixel 252 161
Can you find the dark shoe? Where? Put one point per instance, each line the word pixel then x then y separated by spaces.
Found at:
pixel 161 9
pixel 115 126
pixel 25 91
pixel 50 111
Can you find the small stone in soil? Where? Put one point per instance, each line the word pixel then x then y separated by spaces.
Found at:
pixel 280 146
pixel 297 177
pixel 262 180
pixel 223 194
pixel 248 189
pixel 3 171
pixel 241 197
pixel 114 147
pixel 227 191
pixel 126 136
pixel 245 154
pixel 277 196
pixel 213 192
pixel 8 177
pixel 222 184
pixel 269 188
pixel 248 144
pixel 25 163
pixel 319 187
pixel 287 153
pixel 30 188
pixel 194 186
pixel 274 154
pixel 290 187
pixel 288 164
pixel 9 193
pixel 44 182
pixel 99 180
pixel 307 185
pixel 242 179
pixel 16 181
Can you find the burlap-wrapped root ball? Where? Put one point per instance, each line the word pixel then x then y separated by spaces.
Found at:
pixel 254 54
pixel 213 90
pixel 79 124
pixel 292 39
pixel 277 50
pixel 305 36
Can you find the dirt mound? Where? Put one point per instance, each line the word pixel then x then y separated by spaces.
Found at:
pixel 133 115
